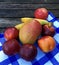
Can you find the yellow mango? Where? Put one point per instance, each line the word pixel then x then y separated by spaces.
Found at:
pixel 26 19
pixel 19 26
pixel 41 21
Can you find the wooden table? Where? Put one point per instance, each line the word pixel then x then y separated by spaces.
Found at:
pixel 12 10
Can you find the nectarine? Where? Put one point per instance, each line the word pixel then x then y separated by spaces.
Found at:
pixel 41 13
pixel 46 43
pixel 11 33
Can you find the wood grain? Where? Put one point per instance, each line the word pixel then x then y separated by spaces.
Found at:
pixel 21 13
pixel 30 1
pixel 12 10
pixel 21 10
pixel 8 22
pixel 27 6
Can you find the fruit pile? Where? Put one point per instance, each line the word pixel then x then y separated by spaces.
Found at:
pixel 28 32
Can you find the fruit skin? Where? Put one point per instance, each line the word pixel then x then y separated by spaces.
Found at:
pixel 29 32
pixel 26 19
pixel 19 26
pixel 28 52
pixel 41 21
pixel 11 47
pixel 48 30
pixel 46 43
pixel 11 33
pixel 41 13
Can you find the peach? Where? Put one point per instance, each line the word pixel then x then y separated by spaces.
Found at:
pixel 46 43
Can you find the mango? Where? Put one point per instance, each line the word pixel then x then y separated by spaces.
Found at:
pixel 29 32
pixel 26 19
pixel 41 21
pixel 19 26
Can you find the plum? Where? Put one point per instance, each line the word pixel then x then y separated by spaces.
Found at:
pixel 28 52
pixel 48 30
pixel 11 47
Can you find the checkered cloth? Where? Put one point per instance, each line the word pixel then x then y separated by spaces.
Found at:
pixel 51 58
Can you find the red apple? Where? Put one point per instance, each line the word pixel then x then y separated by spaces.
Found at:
pixel 41 13
pixel 11 33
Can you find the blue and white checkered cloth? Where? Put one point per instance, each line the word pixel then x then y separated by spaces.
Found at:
pixel 51 58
